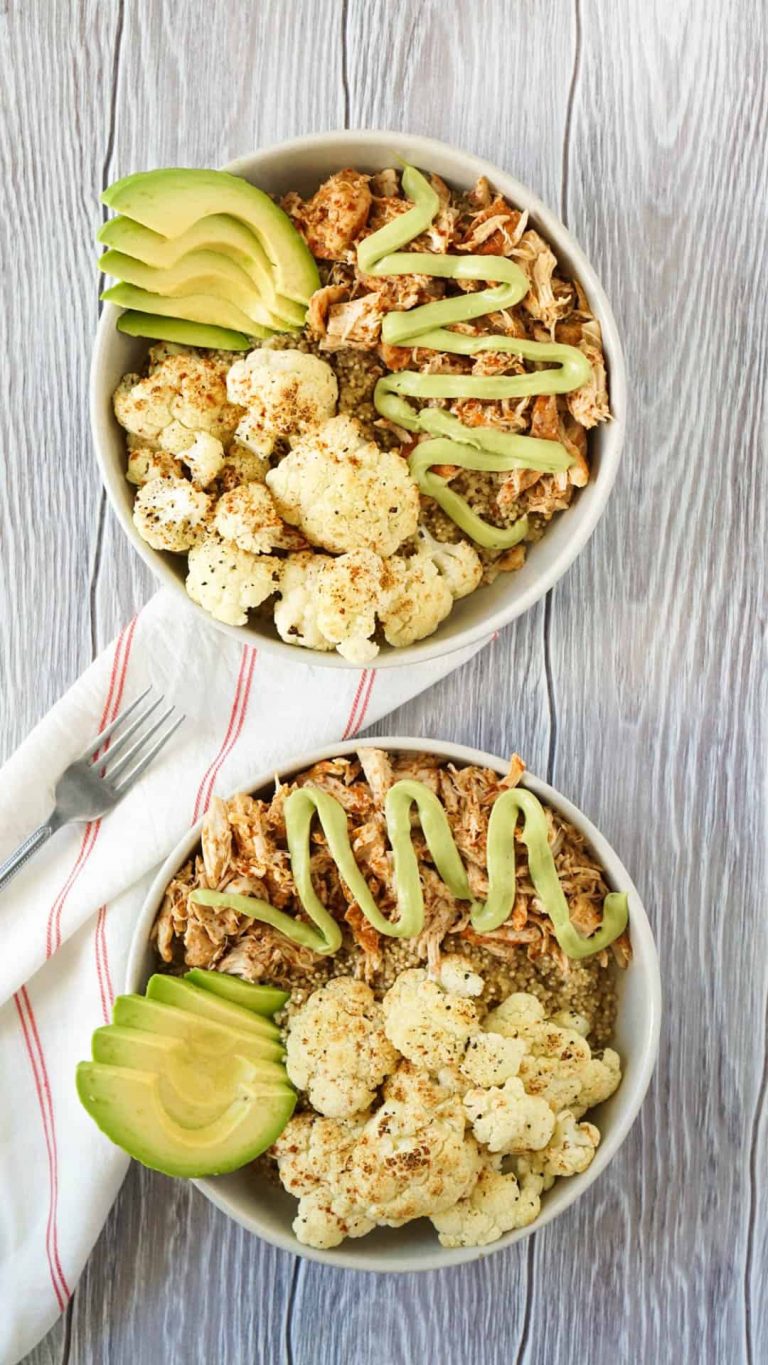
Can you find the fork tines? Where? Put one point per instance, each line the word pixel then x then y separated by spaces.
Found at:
pixel 134 760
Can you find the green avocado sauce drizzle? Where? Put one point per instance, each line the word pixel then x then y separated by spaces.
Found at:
pixel 427 327
pixel 303 805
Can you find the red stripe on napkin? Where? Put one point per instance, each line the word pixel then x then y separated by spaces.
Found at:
pixel 91 832
pixel 349 728
pixel 360 705
pixel 106 990
pixel 42 1086
pixel 234 730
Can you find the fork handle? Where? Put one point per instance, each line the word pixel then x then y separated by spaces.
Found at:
pixel 25 851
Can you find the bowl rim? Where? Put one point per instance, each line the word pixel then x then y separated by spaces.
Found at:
pixel 647 1036
pixel 419 149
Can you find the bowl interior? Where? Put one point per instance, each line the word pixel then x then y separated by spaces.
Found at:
pixel 268 1210
pixel 301 165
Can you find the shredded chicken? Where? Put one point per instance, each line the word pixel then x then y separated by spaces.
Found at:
pixel 243 849
pixel 331 220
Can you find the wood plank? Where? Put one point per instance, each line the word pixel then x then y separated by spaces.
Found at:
pixel 56 112
pixel 670 675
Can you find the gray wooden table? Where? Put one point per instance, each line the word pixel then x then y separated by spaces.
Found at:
pixel 635 688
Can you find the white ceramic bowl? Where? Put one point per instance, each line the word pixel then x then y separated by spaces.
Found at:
pixel 268 1211
pixel 302 164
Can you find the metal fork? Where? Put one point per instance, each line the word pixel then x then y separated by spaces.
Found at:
pixel 96 781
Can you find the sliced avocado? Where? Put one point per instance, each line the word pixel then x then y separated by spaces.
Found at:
pixel 194 308
pixel 261 999
pixel 169 201
pixel 194 1090
pixel 171 990
pixel 201 272
pixel 193 1070
pixel 218 233
pixel 208 1037
pixel 127 1106
pixel 185 333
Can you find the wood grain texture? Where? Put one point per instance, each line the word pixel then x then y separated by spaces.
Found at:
pixel 638 687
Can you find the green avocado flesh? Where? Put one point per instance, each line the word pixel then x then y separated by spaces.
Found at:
pixel 172 200
pixel 214 312
pixel 135 1011
pixel 127 1106
pixel 194 1089
pixel 171 990
pixel 201 272
pixel 219 234
pixel 260 999
pixel 188 1079
pixel 182 332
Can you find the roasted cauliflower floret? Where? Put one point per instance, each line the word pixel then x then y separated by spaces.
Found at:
pixel 428 1025
pixel 313 1151
pixel 491 1059
pixel 569 1151
pixel 145 464
pixel 413 1159
pixel 171 514
pixel 285 392
pixel 344 492
pixel 497 1204
pixel 458 564
pixel 324 1219
pixel 599 1077
pixel 228 581
pixel 554 1057
pixel 457 976
pixel 515 1015
pixel 247 516
pixel 312 1155
pixel 182 395
pixel 507 1120
pixel 204 458
pixel 416 599
pixel 331 603
pixel 337 1050
pixel 250 435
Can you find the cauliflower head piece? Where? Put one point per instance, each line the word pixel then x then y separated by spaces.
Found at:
pixel 458 563
pixel 312 1156
pixel 247 517
pixel 498 1203
pixel 569 1151
pixel 507 1120
pixel 345 493
pixel 491 1059
pixel 330 603
pixel 599 1077
pixel 285 392
pixel 227 581
pixel 558 1065
pixel 413 1157
pixel 171 514
pixel 185 393
pixel 204 458
pixel 145 463
pixel 427 1024
pixel 336 1048
pixel 416 599
pixel 457 977
pixel 515 1016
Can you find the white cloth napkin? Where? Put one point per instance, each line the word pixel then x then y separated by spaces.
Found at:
pixel 67 919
